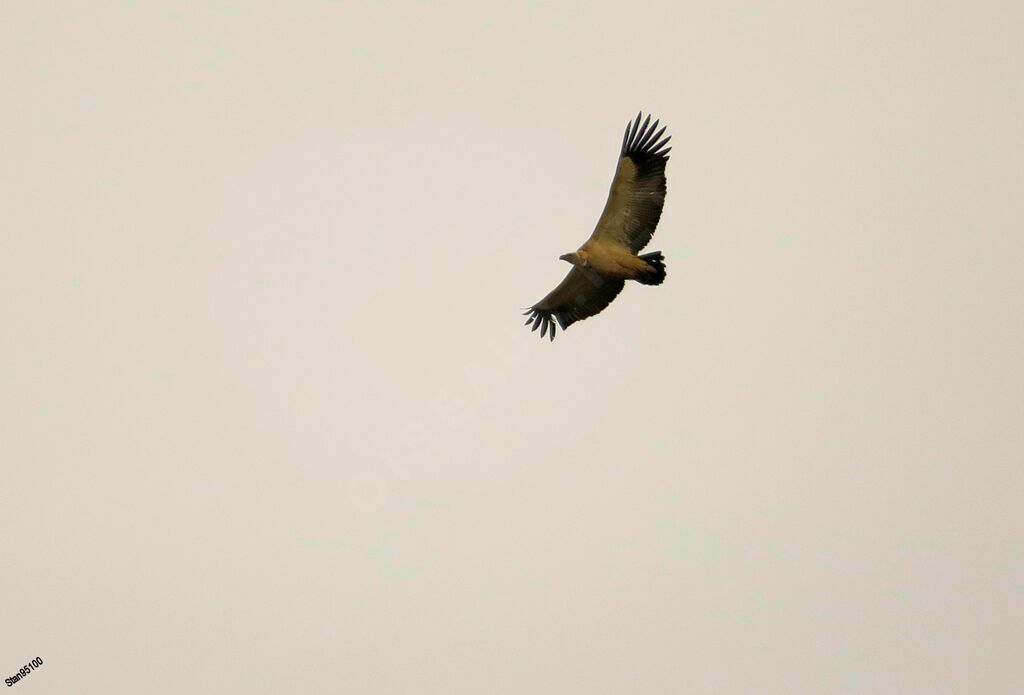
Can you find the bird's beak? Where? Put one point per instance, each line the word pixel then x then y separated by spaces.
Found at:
pixel 564 257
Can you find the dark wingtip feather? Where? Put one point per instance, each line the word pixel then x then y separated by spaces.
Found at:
pixel 655 149
pixel 632 131
pixel 544 320
pixel 644 142
pixel 648 132
pixel 652 142
pixel 643 131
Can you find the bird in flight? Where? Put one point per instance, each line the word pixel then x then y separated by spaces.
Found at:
pixel 609 257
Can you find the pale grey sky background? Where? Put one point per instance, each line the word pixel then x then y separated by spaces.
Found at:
pixel 270 421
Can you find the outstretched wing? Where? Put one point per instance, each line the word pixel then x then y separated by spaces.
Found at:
pixel 637 194
pixel 580 295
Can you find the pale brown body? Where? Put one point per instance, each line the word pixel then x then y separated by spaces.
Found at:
pixel 612 260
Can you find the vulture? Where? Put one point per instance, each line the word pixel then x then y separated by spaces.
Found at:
pixel 609 257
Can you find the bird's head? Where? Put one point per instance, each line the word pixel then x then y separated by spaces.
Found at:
pixel 576 258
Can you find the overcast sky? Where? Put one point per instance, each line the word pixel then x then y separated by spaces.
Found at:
pixel 270 421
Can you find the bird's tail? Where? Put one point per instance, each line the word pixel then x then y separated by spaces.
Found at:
pixel 656 261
